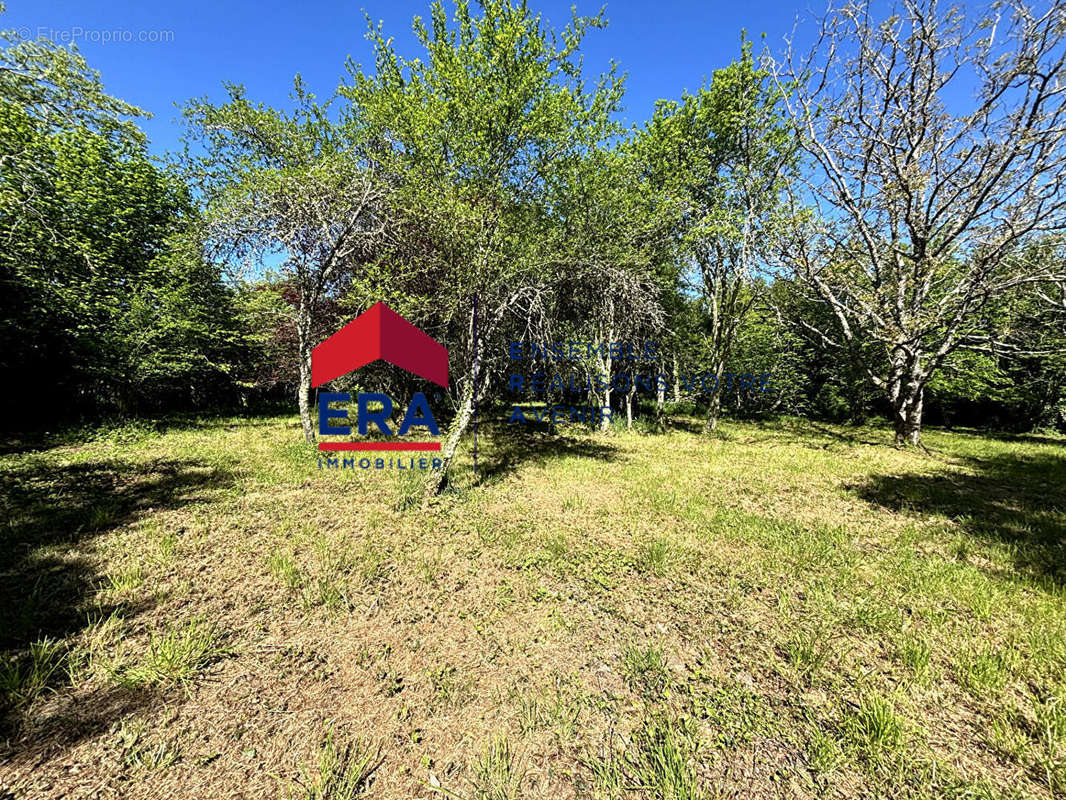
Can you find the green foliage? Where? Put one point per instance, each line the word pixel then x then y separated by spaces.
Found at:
pixel 107 297
pixel 660 760
pixel 874 726
pixel 487 164
pixel 476 132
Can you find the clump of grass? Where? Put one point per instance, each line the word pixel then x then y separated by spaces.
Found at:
pixel 915 654
pixel 558 547
pixel 653 557
pixel 177 654
pixel 450 687
pixel 983 600
pixel 823 751
pixel 559 713
pixel 22 679
pixel 284 567
pixel 1008 734
pixel 124 432
pixel 808 652
pixel 372 564
pixel 103 515
pixel 875 727
pixel 410 489
pixel 340 772
pixel 531 714
pixel 659 760
pixel 1050 714
pixel 327 592
pixel 985 671
pixel 333 557
pixel 667 749
pixel 499 773
pixel 430 568
pixel 140 752
pixel 645 668
pixel 101 631
pixel 125 583
pixel 1047 646
pixel 168 546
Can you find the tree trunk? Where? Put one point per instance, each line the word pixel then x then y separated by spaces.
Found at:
pixel 714 408
pixel 605 365
pixel 906 389
pixel 436 479
pixel 629 407
pixel 909 417
pixel 304 392
pixel 660 401
pixel 677 382
pixel 660 396
pixel 304 399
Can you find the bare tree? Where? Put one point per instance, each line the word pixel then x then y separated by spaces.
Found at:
pixel 923 207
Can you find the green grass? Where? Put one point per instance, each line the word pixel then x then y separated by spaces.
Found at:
pixel 658 763
pixel 875 727
pixel 645 668
pixel 340 771
pixel 498 774
pixel 915 653
pixel 176 654
pixel 285 568
pixel 23 678
pixel 782 609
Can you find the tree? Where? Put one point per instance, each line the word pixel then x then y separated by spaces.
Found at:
pixel 608 243
pixel 727 153
pixel 293 185
pixel 44 89
pixel 470 134
pixel 105 296
pixel 924 206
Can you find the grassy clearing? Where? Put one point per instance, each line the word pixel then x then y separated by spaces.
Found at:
pixel 782 610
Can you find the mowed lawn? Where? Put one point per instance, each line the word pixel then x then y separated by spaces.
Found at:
pixel 782 610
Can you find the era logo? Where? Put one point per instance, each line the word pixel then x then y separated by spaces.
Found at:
pixel 418 414
pixel 380 333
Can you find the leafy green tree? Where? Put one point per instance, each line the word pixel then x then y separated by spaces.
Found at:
pixel 292 186
pixel 607 240
pixel 727 154
pixel 106 295
pixel 470 133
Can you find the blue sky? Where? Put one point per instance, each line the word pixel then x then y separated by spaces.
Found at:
pixel 665 47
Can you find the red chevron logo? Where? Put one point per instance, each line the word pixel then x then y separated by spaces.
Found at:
pixel 379 333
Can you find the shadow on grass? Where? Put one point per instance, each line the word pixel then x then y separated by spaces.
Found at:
pixel 515 445
pixel 846 437
pixel 68 718
pixel 1007 436
pixel 790 430
pixel 49 513
pixel 1016 500
pixel 127 430
pixel 684 424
